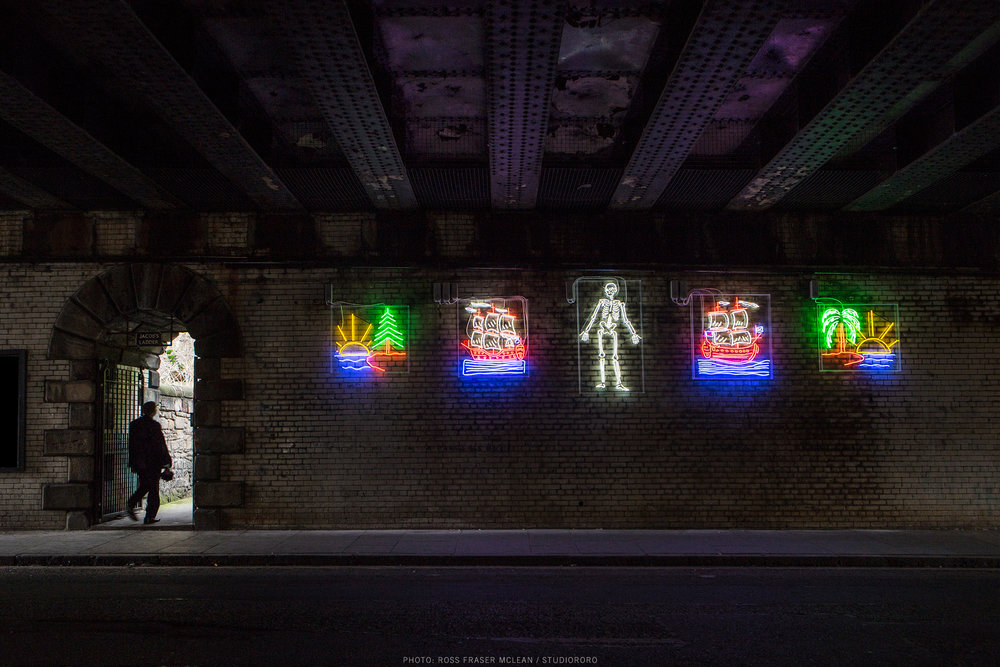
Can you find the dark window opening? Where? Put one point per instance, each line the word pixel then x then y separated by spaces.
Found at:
pixel 12 390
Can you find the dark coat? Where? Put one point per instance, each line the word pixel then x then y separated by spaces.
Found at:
pixel 147 449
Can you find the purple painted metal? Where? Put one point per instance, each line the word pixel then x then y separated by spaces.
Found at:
pixel 331 57
pixel 934 45
pixel 725 39
pixel 523 40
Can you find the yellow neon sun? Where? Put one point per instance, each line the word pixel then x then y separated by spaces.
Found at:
pixel 350 344
pixel 877 345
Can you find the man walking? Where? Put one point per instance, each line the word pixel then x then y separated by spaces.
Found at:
pixel 147 456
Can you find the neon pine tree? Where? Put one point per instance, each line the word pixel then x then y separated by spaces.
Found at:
pixel 388 333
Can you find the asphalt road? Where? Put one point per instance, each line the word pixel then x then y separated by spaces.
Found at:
pixel 475 616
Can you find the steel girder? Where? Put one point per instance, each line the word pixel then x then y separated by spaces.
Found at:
pixel 27 193
pixel 934 44
pixel 331 57
pixel 36 118
pixel 522 51
pixel 109 32
pixel 725 39
pixel 970 144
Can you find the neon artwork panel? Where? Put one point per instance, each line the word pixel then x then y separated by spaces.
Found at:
pixel 371 339
pixel 731 337
pixel 494 339
pixel 858 337
pixel 609 333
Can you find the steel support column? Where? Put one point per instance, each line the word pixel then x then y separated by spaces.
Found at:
pixel 523 40
pixel 725 39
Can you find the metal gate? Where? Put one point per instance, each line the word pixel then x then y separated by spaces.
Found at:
pixel 121 402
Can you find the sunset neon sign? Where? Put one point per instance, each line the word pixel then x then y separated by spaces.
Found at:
pixel 858 337
pixel 372 339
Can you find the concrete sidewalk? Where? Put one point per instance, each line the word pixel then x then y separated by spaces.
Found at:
pixel 128 543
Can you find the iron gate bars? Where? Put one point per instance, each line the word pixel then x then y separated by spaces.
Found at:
pixel 121 402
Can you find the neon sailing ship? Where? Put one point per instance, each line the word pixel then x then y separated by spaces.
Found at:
pixel 493 343
pixel 729 338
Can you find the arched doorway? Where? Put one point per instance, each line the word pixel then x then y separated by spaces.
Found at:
pixel 114 321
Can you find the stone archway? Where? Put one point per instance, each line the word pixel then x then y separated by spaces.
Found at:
pixel 144 294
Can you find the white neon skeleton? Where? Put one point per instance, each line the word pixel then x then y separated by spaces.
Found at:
pixel 607 314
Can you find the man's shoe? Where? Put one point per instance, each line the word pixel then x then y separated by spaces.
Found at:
pixel 147 521
pixel 131 514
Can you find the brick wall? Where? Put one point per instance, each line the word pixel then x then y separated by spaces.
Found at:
pixel 805 449
pixel 115 232
pixel 11 226
pixel 31 297
pixel 917 448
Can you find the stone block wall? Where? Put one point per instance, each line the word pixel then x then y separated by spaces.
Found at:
pixel 176 407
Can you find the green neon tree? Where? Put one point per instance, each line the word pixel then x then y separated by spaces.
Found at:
pixel 844 324
pixel 388 333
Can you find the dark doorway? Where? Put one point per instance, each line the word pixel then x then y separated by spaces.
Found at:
pixel 121 398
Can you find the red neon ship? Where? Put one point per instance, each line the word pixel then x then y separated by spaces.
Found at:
pixel 492 336
pixel 728 339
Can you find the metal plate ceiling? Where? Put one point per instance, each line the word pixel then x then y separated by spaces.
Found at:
pixel 333 63
pixel 962 148
pixel 942 36
pixel 724 41
pixel 25 193
pixel 37 119
pixel 452 187
pixel 399 104
pixel 109 34
pixel 575 188
pixel 523 40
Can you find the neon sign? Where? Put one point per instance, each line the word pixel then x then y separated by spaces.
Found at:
pixel 858 337
pixel 609 328
pixel 495 339
pixel 731 337
pixel 371 339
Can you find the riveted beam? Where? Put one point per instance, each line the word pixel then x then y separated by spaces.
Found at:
pixel 724 40
pixel 109 32
pixel 941 38
pixel 33 116
pixel 523 40
pixel 28 194
pixel 970 144
pixel 333 63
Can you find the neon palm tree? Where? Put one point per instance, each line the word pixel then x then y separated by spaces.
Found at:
pixel 844 324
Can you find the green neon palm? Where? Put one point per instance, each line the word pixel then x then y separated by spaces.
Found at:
pixel 833 319
pixel 388 330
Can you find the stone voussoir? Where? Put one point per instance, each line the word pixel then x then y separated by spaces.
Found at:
pixel 68 497
pixel 68 442
pixel 218 494
pixel 218 440
pixel 73 391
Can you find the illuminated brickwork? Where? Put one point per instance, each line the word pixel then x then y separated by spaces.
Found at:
pixel 115 232
pixel 427 448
